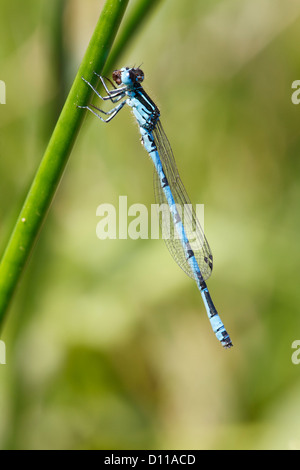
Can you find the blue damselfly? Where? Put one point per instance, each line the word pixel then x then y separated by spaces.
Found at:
pixel 187 242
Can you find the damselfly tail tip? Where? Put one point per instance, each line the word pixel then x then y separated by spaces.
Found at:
pixel 226 343
pixel 225 339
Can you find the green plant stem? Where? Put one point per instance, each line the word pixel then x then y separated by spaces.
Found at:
pixel 56 155
pixel 137 14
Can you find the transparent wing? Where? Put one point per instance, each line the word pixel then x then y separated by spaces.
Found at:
pixel 193 229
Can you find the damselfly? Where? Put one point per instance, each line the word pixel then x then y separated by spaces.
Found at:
pixel 194 257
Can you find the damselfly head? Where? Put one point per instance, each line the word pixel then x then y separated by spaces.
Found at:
pixel 128 76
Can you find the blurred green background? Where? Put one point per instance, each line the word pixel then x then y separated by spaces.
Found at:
pixel 107 342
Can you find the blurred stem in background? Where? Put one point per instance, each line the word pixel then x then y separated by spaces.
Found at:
pixel 138 14
pixel 49 174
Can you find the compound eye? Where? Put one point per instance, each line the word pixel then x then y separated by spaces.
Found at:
pixel 117 77
pixel 140 75
pixel 136 75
